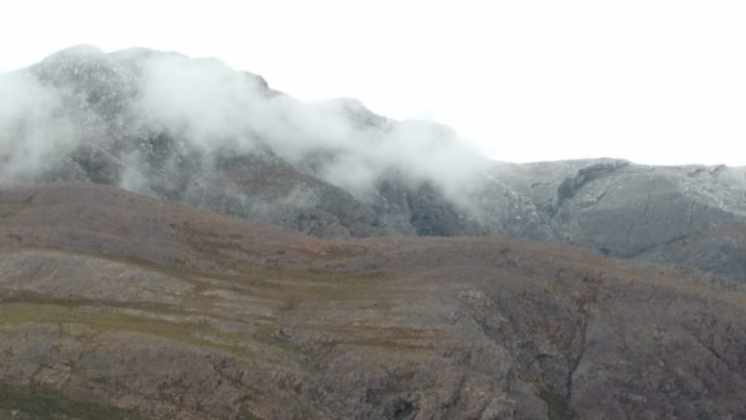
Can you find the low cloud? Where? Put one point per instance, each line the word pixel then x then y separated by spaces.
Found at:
pixel 108 103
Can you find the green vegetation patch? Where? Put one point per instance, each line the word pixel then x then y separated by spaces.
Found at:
pixel 11 209
pixel 112 320
pixel 42 404
pixel 558 407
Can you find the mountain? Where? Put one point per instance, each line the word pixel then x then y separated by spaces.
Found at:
pixel 690 216
pixel 198 132
pixel 181 240
pixel 115 305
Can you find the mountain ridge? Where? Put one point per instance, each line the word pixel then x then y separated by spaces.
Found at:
pixel 198 132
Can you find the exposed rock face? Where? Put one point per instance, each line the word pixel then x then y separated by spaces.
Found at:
pixel 642 212
pixel 114 305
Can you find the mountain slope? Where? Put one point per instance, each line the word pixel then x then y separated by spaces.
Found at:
pixel 197 132
pixel 640 212
pixel 193 130
pixel 122 306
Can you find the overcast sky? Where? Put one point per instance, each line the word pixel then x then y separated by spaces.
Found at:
pixel 652 81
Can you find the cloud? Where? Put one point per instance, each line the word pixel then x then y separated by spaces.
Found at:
pixel 34 129
pixel 119 105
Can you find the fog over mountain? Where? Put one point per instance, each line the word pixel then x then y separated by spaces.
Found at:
pixel 198 132
pixel 274 259
pixel 118 104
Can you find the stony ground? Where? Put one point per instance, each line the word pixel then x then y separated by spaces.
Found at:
pixel 113 305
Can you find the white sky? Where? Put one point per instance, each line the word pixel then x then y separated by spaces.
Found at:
pixel 653 81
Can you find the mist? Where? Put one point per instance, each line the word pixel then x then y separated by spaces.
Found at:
pixel 34 130
pixel 82 104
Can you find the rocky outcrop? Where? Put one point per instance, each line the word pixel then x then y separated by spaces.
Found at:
pixel 637 211
pixel 572 185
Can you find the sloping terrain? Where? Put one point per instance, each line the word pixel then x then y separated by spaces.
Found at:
pixel 197 132
pixel 116 305
pixel 666 214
